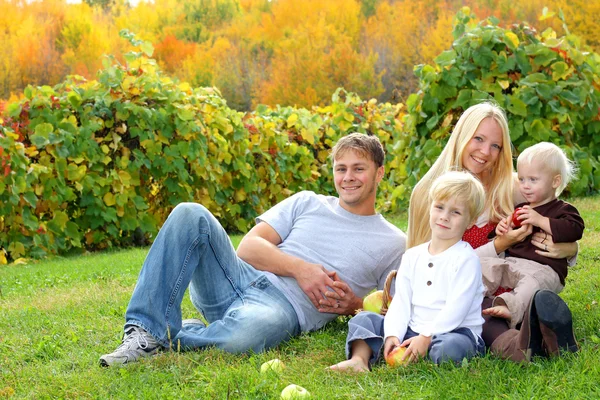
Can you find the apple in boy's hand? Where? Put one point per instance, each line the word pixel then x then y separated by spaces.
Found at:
pixel 394 358
pixel 274 365
pixel 374 302
pixel 516 222
pixel 294 392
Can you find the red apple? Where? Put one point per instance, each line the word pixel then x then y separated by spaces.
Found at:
pixel 516 222
pixel 394 359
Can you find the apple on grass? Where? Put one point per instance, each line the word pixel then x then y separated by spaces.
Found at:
pixel 275 365
pixel 294 392
pixel 394 358
pixel 374 302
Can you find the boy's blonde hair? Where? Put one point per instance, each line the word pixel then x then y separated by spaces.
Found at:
pixel 498 184
pixel 554 158
pixel 462 186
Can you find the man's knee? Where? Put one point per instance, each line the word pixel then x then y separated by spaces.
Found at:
pixel 260 332
pixel 188 211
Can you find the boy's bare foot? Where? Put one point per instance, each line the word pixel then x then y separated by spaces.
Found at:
pixel 350 365
pixel 498 311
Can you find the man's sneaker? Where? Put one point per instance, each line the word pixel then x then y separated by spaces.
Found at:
pixel 137 343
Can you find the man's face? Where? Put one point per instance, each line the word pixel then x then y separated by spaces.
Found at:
pixel 356 178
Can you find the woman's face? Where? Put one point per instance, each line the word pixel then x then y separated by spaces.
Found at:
pixel 483 149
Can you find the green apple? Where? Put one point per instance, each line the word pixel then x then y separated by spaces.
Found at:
pixel 374 302
pixel 275 365
pixel 394 359
pixel 294 392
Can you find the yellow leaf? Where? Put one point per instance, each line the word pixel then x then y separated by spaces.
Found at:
pixel 3 259
pixel 109 199
pixel 20 261
pixel 291 121
pixel 503 84
pixel 307 136
pixel 513 39
pixel 31 151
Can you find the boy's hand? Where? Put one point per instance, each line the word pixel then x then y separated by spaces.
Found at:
pixel 418 346
pixel 390 343
pixel 502 226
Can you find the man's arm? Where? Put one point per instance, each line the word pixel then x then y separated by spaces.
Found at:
pixel 259 249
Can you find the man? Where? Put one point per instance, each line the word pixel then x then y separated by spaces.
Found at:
pixel 308 259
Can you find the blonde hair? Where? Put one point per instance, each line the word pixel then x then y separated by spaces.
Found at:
pixel 498 184
pixel 554 158
pixel 463 187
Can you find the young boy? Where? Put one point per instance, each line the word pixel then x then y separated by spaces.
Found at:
pixel 436 311
pixel 543 171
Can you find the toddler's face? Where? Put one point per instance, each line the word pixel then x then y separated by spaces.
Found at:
pixel 537 183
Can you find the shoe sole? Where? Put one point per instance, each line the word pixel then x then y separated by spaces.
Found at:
pixel 535 346
pixel 554 313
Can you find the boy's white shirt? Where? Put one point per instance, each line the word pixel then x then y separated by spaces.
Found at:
pixel 452 300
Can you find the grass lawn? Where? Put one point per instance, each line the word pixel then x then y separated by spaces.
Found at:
pixel 58 316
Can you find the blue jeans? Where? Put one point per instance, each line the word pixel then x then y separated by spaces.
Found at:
pixel 244 310
pixel 451 346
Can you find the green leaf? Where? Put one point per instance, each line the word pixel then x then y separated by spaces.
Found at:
pixel 560 70
pixel 517 106
pixel 72 231
pixel 42 134
pixel 147 48
pixel 447 57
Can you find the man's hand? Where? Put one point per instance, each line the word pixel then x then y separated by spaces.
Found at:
pixel 316 281
pixel 341 300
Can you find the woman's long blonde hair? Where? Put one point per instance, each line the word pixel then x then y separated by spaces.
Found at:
pixel 498 182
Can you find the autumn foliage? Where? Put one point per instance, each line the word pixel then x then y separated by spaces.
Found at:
pixel 284 52
pixel 100 162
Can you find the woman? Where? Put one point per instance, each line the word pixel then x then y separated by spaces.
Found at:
pixel 480 143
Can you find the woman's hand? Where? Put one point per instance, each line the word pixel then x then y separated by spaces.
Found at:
pixel 547 248
pixel 511 237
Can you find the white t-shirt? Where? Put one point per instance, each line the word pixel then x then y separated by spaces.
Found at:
pixel 361 249
pixel 436 293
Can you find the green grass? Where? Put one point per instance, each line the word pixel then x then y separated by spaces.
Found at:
pixel 58 316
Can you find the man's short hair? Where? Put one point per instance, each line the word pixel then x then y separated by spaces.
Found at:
pixel 368 146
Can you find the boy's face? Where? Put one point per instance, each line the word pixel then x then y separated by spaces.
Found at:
pixel 537 183
pixel 356 178
pixel 448 219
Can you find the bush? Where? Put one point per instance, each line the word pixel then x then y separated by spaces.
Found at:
pixel 95 164
pixel 548 85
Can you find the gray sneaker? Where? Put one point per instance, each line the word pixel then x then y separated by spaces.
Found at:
pixel 137 343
